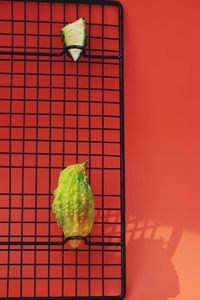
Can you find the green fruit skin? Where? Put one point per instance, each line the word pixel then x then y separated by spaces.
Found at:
pixel 73 203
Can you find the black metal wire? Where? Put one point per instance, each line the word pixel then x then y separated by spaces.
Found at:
pixel 10 153
pixel 50 149
pixel 99 139
pixel 103 126
pixel 77 148
pixel 84 54
pixel 64 148
pixel 23 160
pixel 89 152
pixel 122 150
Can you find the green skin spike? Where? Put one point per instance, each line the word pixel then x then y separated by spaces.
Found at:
pixel 73 203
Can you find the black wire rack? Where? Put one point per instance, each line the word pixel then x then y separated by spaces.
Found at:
pixel 55 112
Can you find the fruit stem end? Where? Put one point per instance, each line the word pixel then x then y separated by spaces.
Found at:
pixel 85 163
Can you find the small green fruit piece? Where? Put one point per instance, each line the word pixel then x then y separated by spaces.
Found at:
pixel 74 34
pixel 73 203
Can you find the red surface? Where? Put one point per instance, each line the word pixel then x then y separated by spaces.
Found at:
pixel 162 123
pixel 162 94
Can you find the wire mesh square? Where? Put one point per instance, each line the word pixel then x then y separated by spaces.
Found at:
pixel 53 113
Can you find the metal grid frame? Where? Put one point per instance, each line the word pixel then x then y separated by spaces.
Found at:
pixel 101 120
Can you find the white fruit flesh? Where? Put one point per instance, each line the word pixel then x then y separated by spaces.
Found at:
pixel 74 34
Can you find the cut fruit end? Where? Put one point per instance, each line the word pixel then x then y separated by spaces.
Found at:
pixel 74 244
pixel 75 53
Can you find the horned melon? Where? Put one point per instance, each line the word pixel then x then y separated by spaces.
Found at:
pixel 73 203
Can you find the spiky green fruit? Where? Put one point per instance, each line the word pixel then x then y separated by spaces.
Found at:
pixel 73 203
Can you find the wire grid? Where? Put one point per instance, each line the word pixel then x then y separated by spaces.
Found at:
pixel 54 112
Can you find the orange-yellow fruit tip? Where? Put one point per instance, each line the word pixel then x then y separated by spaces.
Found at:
pixel 74 244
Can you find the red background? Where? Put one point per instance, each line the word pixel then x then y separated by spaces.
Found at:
pixel 162 149
pixel 162 123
